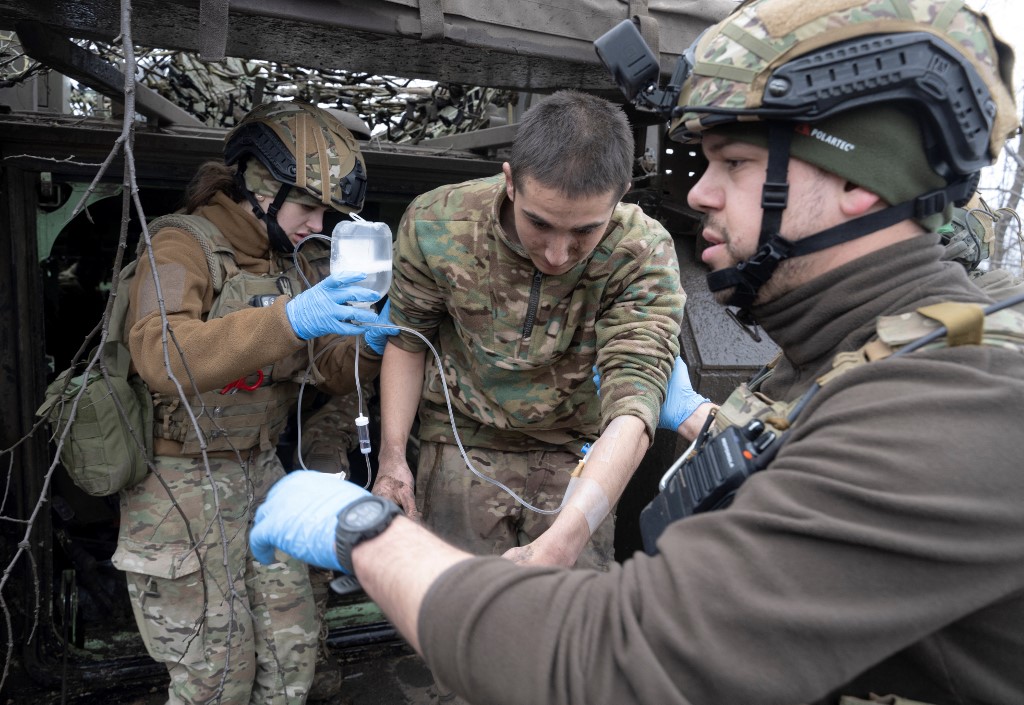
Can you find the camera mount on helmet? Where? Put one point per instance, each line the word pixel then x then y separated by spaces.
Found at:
pixel 636 71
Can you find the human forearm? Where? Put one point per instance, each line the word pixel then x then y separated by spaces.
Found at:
pixel 613 459
pixel 397 568
pixel 400 383
pixel 693 423
pixel 401 380
pixel 260 336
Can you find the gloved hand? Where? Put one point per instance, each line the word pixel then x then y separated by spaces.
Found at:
pixel 680 400
pixel 322 310
pixel 300 517
pixel 377 338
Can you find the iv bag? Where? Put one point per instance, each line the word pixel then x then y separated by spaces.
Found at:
pixel 361 246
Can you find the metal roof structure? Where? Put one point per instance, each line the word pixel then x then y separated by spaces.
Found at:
pixel 534 45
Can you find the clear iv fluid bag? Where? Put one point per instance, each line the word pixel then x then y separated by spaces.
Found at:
pixel 363 246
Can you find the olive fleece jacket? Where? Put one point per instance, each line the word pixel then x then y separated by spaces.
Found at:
pixel 881 551
pixel 222 350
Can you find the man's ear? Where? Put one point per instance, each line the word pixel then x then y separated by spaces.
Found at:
pixel 510 189
pixel 856 200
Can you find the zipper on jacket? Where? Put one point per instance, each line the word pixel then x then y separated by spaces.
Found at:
pixel 531 310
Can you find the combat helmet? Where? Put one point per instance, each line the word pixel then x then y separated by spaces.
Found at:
pixel 304 148
pixel 792 63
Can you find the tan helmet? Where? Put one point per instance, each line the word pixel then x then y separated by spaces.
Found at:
pixel 305 147
pixel 804 61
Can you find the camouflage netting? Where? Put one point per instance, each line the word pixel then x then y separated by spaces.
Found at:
pixel 220 93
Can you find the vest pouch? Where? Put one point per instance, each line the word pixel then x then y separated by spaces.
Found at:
pixel 237 292
pixel 745 405
pixel 228 422
pixel 103 452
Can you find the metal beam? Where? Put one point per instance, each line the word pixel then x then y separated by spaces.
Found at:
pixel 478 139
pixel 56 51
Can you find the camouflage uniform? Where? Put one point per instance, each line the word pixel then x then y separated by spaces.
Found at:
pixel 224 625
pixel 517 346
pixel 220 621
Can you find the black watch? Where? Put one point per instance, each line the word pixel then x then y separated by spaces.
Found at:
pixel 363 519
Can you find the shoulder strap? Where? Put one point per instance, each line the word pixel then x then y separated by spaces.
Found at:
pixel 966 325
pixel 220 256
pixel 220 260
pixel 115 350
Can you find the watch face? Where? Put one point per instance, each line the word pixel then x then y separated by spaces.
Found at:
pixel 364 514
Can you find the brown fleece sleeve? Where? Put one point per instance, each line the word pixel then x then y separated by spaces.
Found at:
pixel 211 353
pixel 337 364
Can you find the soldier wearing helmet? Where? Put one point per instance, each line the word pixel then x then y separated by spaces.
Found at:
pixel 849 529
pixel 223 327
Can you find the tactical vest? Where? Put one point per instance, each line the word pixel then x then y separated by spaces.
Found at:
pixel 1004 329
pixel 252 413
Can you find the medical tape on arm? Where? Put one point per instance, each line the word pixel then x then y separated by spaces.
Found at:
pixel 587 497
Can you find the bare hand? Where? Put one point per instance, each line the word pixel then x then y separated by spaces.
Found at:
pixel 396 483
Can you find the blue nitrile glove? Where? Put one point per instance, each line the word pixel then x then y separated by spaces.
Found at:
pixel 300 517
pixel 377 338
pixel 680 400
pixel 597 379
pixel 322 310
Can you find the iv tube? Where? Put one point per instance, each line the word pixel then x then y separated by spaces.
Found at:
pixel 364 429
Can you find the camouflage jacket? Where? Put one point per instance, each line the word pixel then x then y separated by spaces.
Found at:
pixel 518 346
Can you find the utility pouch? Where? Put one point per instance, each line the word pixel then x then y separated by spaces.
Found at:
pixel 109 438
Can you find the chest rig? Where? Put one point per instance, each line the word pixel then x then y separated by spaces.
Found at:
pixel 252 411
pixel 748 429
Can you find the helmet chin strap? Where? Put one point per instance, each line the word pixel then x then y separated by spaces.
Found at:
pixel 748 276
pixel 279 241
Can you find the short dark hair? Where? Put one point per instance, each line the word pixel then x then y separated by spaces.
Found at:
pixel 576 143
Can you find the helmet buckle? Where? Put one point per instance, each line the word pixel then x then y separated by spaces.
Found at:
pixel 929 203
pixel 774 195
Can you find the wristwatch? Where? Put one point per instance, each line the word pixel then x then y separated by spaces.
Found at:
pixel 363 519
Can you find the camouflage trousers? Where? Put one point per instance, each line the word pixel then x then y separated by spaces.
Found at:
pixel 483 519
pixel 228 629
